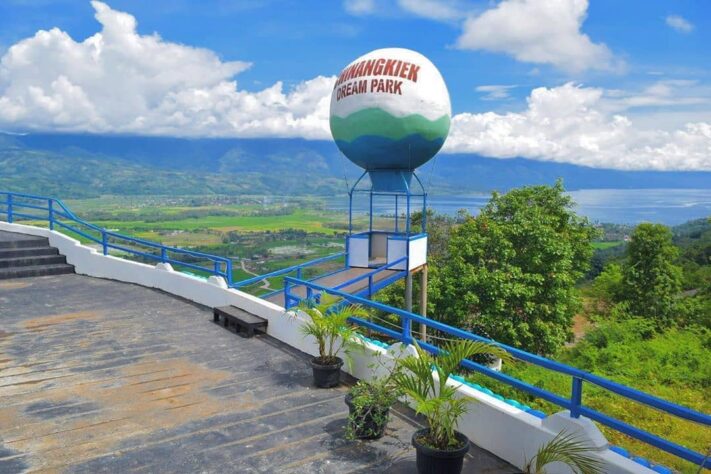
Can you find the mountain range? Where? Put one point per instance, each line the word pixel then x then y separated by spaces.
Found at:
pixel 81 165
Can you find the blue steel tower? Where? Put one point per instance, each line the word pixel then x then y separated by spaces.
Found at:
pixel 390 114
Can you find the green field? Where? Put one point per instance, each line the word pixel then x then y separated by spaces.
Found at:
pixel 309 221
pixel 606 245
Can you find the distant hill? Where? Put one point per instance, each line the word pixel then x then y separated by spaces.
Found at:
pixel 89 165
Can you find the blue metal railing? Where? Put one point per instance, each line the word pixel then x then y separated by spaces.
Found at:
pixel 57 214
pixel 574 403
pixel 298 269
pixel 370 276
pixel 368 291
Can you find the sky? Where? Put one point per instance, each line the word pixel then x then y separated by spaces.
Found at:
pixel 622 84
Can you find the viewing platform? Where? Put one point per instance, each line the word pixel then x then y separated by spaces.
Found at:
pixel 102 376
pixel 120 367
pixel 350 277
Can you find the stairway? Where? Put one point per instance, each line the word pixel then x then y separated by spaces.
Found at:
pixel 29 256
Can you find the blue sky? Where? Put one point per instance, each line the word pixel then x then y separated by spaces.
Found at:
pixel 610 83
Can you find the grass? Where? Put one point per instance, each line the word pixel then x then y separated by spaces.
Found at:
pixel 308 221
pixel 606 245
pixel 673 365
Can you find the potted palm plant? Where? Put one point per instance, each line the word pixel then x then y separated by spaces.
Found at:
pixel 328 324
pixel 423 377
pixel 369 406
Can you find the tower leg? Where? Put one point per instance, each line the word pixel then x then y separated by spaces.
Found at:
pixel 408 292
pixel 423 301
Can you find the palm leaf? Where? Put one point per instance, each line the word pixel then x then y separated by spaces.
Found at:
pixel 568 449
pixel 437 401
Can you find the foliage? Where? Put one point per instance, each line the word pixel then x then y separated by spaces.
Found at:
pixel 424 378
pixel 608 284
pixel 439 229
pixel 652 281
pixel 568 449
pixel 328 325
pixel 371 400
pixel 673 365
pixel 512 270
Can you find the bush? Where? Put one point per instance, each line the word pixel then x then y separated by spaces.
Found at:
pixel 673 365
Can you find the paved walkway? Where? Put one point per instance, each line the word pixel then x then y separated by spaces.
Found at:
pixel 101 376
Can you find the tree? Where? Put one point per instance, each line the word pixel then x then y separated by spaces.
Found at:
pixel 652 281
pixel 439 228
pixel 512 269
pixel 609 283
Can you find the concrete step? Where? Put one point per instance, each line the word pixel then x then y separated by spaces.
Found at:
pixel 28 252
pixel 34 260
pixel 35 271
pixel 10 240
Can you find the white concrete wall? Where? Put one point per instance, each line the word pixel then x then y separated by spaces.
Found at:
pixel 418 252
pixel 378 245
pixel 504 430
pixel 397 248
pixel 358 251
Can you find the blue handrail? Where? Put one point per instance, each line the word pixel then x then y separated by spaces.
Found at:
pixel 369 276
pixel 573 403
pixel 218 266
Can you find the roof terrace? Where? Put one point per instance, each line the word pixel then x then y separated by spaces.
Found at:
pixel 97 375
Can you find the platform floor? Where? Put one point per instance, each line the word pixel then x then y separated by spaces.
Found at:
pixel 13 237
pixel 335 279
pixel 100 376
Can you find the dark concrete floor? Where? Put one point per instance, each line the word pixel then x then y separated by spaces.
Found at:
pixel 13 237
pixel 101 376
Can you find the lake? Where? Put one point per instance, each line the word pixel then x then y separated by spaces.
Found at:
pixel 620 206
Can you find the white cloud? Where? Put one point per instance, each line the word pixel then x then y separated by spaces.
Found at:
pixel 442 10
pixel 573 124
pixel 118 81
pixel 495 91
pixel 121 82
pixel 664 93
pixel 679 23
pixel 359 7
pixel 538 31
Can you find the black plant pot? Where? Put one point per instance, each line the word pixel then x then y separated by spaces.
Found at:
pixel 435 461
pixel 326 375
pixel 370 424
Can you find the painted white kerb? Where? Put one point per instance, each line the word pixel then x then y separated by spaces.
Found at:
pixel 502 429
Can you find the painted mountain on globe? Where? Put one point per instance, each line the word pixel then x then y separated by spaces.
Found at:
pixel 390 110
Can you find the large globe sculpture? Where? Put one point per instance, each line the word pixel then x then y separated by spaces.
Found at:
pixel 390 113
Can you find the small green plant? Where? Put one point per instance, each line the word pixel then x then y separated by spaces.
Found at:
pixel 567 449
pixel 424 378
pixel 328 324
pixel 370 403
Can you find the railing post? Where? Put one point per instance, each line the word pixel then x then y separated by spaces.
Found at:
pixel 287 285
pixel 406 330
pixel 163 254
pixel 105 242
pixel 576 397
pixel 228 269
pixel 298 273
pixel 50 210
pixel 370 286
pixel 216 268
pixel 9 208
